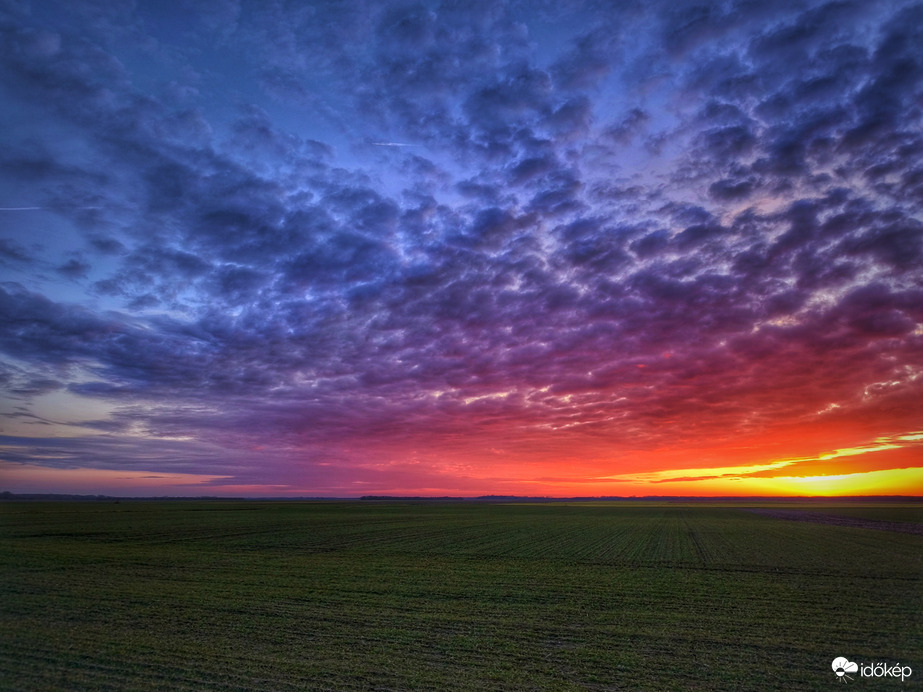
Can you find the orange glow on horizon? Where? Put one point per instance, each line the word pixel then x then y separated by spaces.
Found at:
pixel 887 465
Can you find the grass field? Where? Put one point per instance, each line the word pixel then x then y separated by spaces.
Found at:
pixel 390 596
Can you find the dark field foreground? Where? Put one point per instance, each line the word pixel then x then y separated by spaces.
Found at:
pixel 343 596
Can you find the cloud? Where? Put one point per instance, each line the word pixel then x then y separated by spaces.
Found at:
pixel 74 269
pixel 11 251
pixel 633 231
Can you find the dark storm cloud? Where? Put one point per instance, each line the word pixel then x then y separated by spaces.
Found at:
pixel 627 238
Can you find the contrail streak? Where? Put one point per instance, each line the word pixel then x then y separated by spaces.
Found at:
pixel 44 208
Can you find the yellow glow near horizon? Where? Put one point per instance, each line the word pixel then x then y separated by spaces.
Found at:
pixel 906 481
pixel 713 473
pixel 852 451
pixel 885 482
pixel 742 473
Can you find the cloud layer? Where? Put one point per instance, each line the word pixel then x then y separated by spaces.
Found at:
pixel 339 247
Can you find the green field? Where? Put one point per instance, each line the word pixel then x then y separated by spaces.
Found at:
pixel 391 596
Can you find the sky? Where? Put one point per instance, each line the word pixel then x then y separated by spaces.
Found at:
pixel 463 248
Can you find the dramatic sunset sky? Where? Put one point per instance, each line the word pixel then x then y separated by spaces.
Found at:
pixel 325 248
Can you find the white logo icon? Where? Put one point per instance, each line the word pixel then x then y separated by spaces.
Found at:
pixel 841 666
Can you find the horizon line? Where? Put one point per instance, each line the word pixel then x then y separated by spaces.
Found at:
pixel 8 496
